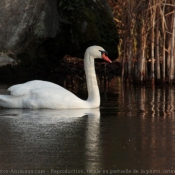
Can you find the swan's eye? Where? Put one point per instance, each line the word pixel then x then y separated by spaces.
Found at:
pixel 103 52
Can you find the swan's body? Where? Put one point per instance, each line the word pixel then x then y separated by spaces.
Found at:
pixel 43 94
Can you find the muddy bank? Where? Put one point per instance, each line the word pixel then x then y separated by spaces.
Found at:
pixel 53 69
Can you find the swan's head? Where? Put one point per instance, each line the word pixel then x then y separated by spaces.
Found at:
pixel 98 52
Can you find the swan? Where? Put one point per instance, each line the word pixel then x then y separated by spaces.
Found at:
pixel 38 94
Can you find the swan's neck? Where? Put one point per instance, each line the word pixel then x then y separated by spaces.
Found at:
pixel 92 85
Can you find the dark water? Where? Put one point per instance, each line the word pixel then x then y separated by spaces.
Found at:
pixel 133 132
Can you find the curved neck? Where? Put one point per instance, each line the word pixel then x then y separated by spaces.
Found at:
pixel 92 85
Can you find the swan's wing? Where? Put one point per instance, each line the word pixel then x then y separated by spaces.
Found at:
pixel 58 93
pixel 23 89
pixel 43 94
pixel 55 98
pixel 15 89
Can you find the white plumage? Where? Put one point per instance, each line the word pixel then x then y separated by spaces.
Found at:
pixel 43 94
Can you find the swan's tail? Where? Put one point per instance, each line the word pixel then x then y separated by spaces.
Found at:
pixel 8 101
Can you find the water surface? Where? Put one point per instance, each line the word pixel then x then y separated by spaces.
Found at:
pixel 133 132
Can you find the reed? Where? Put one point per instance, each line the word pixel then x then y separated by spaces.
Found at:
pixel 147 31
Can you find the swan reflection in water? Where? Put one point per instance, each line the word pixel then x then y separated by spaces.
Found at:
pixel 49 138
pixel 47 113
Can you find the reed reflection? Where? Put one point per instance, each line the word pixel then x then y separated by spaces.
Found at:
pixel 150 126
pixel 140 131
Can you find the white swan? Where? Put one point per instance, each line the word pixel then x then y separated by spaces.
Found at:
pixel 43 94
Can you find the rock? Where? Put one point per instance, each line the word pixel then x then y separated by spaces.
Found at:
pixel 24 22
pixel 5 59
pixel 48 29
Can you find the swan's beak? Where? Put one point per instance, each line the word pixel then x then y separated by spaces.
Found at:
pixel 106 58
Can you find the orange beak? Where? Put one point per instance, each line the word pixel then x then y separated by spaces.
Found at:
pixel 106 58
